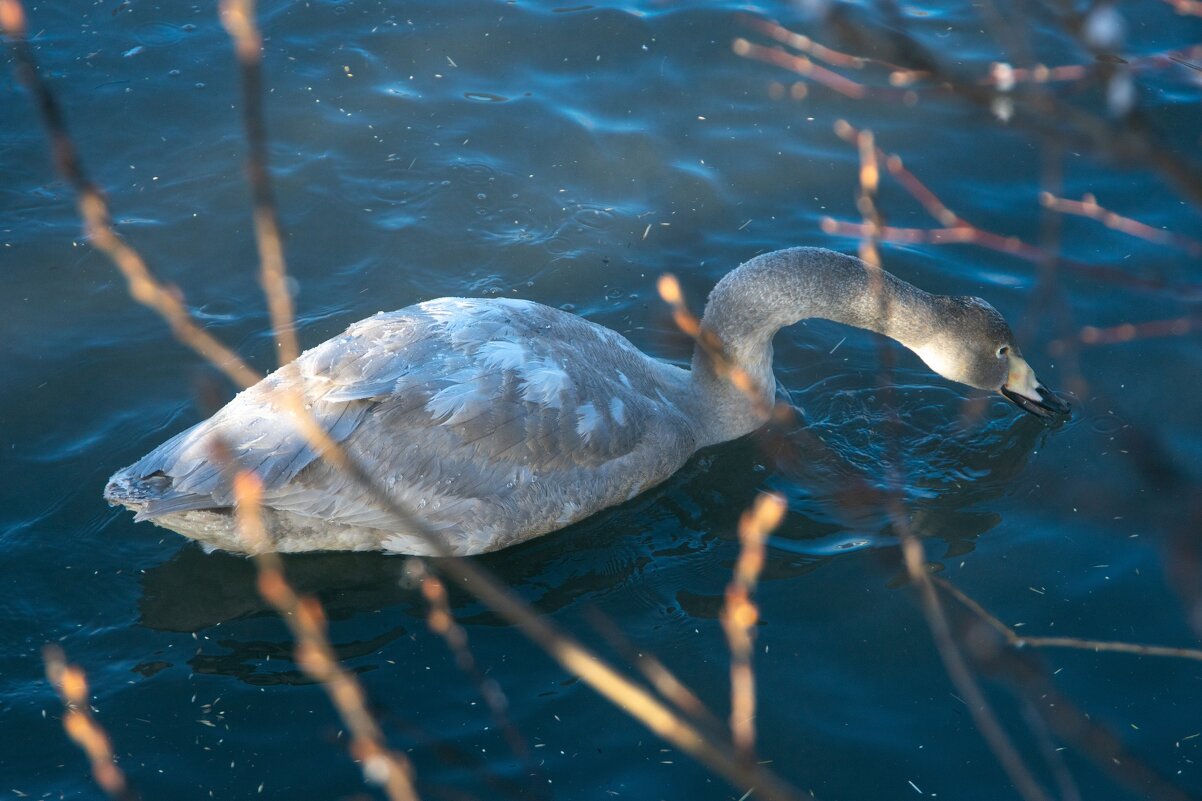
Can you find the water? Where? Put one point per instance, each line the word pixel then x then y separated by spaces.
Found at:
pixel 570 156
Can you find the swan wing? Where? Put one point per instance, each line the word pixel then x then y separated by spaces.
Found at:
pixel 467 410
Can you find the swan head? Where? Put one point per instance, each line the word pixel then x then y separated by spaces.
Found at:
pixel 974 345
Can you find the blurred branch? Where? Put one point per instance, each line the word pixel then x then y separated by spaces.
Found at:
pixel 989 648
pixel 71 684
pixel 656 674
pixel 238 17
pixel 958 670
pixel 1088 207
pixel 806 68
pixel 957 230
pixel 1129 332
pixel 1191 8
pixel 1129 138
pixel 314 654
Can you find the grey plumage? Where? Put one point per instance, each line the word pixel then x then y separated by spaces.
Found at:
pixel 499 420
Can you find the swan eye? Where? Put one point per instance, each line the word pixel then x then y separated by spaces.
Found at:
pixel 1002 351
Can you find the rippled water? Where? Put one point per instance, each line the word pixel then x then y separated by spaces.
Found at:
pixel 570 156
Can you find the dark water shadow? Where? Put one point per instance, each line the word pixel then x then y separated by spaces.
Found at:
pixel 195 590
pixel 831 465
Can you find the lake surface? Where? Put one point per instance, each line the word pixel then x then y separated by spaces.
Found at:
pixel 571 155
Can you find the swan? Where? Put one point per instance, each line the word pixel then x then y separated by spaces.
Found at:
pixel 498 420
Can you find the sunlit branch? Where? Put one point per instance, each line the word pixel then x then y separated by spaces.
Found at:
pixel 653 670
pixel 1009 245
pixel 898 75
pixel 71 685
pixel 740 615
pixel 803 66
pixel 709 343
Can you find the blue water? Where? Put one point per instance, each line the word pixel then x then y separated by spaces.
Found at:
pixel 570 156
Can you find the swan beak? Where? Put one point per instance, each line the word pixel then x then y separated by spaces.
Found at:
pixel 1023 389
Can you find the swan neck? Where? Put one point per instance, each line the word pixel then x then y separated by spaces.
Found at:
pixel 774 290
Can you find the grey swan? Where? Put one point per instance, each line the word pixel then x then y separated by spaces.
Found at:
pixel 498 420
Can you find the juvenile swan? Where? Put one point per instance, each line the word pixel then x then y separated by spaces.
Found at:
pixel 499 420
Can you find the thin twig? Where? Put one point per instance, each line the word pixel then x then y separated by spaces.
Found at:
pixel 442 622
pixel 1020 641
pixel 713 348
pixel 1134 138
pixel 1128 332
pixel 806 68
pixel 656 674
pixel 898 75
pixel 958 230
pixel 913 554
pixel 958 670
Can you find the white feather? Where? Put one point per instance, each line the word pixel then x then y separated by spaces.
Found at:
pixel 588 421
pixel 545 383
